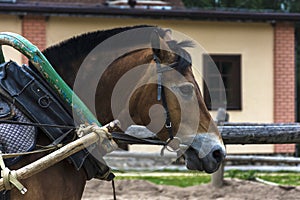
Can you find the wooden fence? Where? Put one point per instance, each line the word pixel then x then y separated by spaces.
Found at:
pixel 255 133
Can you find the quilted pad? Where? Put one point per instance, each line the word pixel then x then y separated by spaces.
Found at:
pixel 17 138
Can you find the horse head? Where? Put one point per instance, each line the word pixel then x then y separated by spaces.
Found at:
pixel 169 102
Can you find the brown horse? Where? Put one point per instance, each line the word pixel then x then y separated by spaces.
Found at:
pixel 124 76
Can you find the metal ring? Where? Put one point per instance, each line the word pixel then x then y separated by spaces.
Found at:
pixel 170 149
pixel 44 101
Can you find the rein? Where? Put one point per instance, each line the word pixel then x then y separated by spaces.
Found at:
pixel 5 121
pixel 128 139
pixel 56 144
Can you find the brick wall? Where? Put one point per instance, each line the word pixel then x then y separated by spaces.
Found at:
pixel 284 78
pixel 34 29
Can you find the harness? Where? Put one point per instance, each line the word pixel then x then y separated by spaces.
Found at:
pixel 21 87
pixel 161 96
pixel 26 91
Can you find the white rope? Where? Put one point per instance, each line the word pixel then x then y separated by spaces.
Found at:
pixel 10 177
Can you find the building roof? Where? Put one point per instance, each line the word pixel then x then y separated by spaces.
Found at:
pixel 98 8
pixel 63 2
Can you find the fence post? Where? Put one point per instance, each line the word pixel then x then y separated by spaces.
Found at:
pixel 217 178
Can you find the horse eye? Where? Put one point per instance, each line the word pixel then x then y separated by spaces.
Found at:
pixel 187 89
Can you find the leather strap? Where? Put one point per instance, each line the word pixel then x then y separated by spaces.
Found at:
pixel 162 96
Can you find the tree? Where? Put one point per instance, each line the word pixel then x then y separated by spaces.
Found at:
pixel 252 5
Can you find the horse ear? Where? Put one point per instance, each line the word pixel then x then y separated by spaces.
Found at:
pixel 159 46
pixel 155 43
pixel 168 35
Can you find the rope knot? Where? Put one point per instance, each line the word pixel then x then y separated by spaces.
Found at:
pixel 10 178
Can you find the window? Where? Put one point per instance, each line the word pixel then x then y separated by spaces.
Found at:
pixel 229 67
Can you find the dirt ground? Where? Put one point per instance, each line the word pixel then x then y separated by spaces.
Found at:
pixel 233 190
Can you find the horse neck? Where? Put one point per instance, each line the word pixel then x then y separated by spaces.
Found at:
pixel 66 58
pixel 129 68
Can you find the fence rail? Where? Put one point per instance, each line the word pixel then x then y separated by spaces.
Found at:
pixel 126 154
pixel 245 133
pixel 253 133
pixel 265 159
pixel 248 158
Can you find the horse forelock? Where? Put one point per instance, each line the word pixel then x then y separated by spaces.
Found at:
pixel 183 58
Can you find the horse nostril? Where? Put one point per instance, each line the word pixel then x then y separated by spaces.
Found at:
pixel 218 155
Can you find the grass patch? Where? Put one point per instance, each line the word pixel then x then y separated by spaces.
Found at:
pixel 245 175
pixel 283 178
pixel 289 179
pixel 174 179
pixel 185 179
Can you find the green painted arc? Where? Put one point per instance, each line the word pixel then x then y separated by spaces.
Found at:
pixel 47 71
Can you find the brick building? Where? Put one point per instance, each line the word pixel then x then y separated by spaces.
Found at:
pixel 284 78
pixel 263 44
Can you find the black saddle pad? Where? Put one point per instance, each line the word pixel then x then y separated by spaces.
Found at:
pixel 16 138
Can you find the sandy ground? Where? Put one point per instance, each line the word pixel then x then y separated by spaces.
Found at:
pixel 233 190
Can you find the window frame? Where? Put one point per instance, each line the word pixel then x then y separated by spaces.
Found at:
pixel 236 72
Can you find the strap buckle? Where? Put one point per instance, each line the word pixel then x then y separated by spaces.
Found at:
pixel 168 125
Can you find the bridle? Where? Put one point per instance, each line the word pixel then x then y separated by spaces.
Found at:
pixel 161 96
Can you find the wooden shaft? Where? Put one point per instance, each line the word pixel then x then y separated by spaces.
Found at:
pixel 54 157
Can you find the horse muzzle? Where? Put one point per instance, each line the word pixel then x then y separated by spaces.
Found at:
pixel 205 153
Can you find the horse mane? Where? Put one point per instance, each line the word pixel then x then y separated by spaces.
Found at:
pixel 77 48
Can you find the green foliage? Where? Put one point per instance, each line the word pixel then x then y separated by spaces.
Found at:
pixel 272 5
